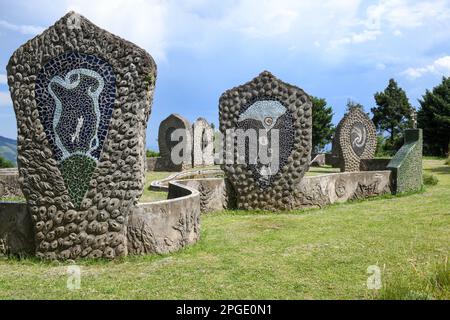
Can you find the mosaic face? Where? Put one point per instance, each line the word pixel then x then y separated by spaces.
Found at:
pixel 358 138
pixel 75 96
pixel 268 114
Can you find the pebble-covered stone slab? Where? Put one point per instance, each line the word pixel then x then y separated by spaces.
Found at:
pixel 82 98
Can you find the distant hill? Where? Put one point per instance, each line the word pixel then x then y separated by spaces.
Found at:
pixel 8 149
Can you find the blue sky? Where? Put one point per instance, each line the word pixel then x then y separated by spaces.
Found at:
pixel 338 50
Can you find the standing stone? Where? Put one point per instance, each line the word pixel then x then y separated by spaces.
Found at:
pixel 82 99
pixel 203 143
pixel 167 127
pixel 355 139
pixel 267 105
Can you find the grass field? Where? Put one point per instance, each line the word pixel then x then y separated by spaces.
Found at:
pixel 314 254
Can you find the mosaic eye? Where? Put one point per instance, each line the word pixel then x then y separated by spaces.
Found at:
pixel 268 121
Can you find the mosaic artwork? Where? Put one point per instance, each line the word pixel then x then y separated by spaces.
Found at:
pixel 82 98
pixel 265 104
pixel 355 139
pixel 75 97
pixel 267 114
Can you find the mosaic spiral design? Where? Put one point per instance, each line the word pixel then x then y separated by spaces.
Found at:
pixel 355 139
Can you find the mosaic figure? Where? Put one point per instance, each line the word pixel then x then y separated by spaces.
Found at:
pixel 75 96
pixel 279 113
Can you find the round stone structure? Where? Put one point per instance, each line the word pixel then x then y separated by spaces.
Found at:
pixel 82 98
pixel 355 139
pixel 270 107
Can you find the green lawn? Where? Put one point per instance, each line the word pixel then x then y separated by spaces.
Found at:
pixel 312 254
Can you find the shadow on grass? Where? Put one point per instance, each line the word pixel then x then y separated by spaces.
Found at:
pixel 442 169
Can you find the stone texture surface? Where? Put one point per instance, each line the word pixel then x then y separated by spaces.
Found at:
pixel 16 229
pixel 406 165
pixel 319 191
pixel 355 139
pixel 156 164
pixel 97 227
pixel 292 108
pixel 9 183
pixel 165 226
pixel 214 193
pixel 202 143
pixel 165 143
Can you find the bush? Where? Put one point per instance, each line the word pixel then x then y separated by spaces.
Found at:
pixel 5 163
pixel 152 154
pixel 430 179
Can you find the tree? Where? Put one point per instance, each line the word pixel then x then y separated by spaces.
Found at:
pixel 5 163
pixel 393 113
pixel 322 127
pixel 434 118
pixel 353 104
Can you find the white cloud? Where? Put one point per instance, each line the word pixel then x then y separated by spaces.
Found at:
pixel 3 79
pixel 439 66
pixel 23 29
pixel 139 21
pixel 5 99
pixel 394 15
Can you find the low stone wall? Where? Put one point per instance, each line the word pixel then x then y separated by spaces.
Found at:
pixel 406 165
pixel 319 191
pixel 165 226
pixel 157 227
pixel 215 193
pixel 9 183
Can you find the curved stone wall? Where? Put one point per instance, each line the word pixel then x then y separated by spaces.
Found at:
pixel 157 227
pixel 165 226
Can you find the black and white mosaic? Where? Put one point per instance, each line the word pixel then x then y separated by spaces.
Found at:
pixel 267 114
pixel 75 96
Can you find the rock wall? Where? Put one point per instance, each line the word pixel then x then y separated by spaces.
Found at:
pixel 165 226
pixel 9 184
pixel 16 229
